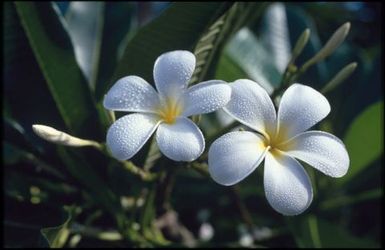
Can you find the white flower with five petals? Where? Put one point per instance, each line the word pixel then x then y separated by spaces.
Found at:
pixel 165 111
pixel 281 138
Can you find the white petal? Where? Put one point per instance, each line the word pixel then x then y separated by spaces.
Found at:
pixel 251 105
pixel 172 71
pixel 181 141
pixel 233 156
pixel 287 185
pixel 128 134
pixel 131 94
pixel 300 108
pixel 321 150
pixel 206 97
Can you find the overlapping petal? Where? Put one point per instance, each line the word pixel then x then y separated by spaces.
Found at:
pixel 128 134
pixel 287 185
pixel 131 94
pixel 233 156
pixel 251 105
pixel 172 71
pixel 300 108
pixel 321 150
pixel 206 97
pixel 180 141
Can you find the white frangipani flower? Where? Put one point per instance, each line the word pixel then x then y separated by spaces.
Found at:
pixel 281 138
pixel 165 111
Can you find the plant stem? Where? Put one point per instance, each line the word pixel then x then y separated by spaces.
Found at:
pixel 201 168
pixel 245 214
pixel 144 175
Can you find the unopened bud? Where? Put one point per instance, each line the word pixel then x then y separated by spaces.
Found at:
pixel 341 76
pixel 53 135
pixel 300 45
pixel 332 44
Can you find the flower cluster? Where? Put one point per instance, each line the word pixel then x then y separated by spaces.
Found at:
pixel 277 138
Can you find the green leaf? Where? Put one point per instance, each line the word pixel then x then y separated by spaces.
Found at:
pixel 364 140
pixel 57 236
pixel 118 23
pixel 211 43
pixel 97 30
pixel 13 154
pixel 339 78
pixel 15 133
pixel 313 232
pixel 228 70
pixel 275 35
pixel 250 54
pixel 54 52
pixel 177 28
pixel 351 199
pixel 24 84
pixel 85 22
pixel 89 178
pixel 298 21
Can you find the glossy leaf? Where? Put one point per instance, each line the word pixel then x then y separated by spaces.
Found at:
pixel 57 236
pixel 228 70
pixel 250 54
pixel 118 23
pixel 84 22
pixel 19 57
pixel 211 43
pixel 364 140
pixel 313 232
pixel 177 28
pixel 276 35
pixel 298 21
pixel 54 52
pixel 97 30
pixel 89 178
pixel 13 155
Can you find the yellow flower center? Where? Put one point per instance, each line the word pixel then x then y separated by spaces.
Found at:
pixel 170 110
pixel 276 143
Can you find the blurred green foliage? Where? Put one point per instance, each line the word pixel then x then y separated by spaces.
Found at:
pixel 57 196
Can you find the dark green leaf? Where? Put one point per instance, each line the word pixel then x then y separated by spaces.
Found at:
pixel 275 35
pixel 211 43
pixel 177 28
pixel 85 24
pixel 351 199
pixel 228 70
pixel 97 29
pixel 364 140
pixel 250 54
pixel 13 154
pixel 57 236
pixel 88 177
pixel 25 91
pixel 310 232
pixel 298 21
pixel 117 25
pixel 54 53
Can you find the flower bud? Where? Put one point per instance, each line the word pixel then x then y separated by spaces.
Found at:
pixel 341 76
pixel 53 135
pixel 300 44
pixel 332 44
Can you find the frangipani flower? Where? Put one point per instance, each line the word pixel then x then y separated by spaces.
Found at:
pixel 165 111
pixel 281 138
